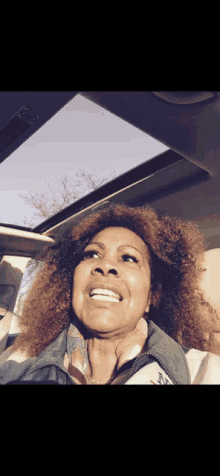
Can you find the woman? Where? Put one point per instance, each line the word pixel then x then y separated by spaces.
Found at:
pixel 110 295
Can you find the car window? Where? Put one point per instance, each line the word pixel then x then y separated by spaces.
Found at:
pixel 32 267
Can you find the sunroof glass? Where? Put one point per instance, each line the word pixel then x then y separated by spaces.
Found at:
pixel 82 147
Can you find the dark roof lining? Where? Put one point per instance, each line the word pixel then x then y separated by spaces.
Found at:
pixel 166 190
pixel 191 130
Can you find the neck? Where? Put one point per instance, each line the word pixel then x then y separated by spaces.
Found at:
pixel 102 358
pixel 108 355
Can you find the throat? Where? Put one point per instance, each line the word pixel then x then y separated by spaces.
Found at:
pixel 102 360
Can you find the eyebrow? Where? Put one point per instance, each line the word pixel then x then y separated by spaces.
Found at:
pixel 119 248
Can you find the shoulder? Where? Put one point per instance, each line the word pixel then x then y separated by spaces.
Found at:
pixel 204 367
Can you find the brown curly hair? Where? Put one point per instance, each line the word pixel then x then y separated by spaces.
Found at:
pixel 176 256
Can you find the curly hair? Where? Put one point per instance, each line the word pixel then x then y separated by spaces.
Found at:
pixel 176 255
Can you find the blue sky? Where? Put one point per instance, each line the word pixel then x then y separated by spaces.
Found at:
pixel 81 135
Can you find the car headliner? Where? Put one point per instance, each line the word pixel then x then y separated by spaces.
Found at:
pixel 183 181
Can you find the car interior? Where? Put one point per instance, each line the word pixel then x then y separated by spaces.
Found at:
pixel 184 181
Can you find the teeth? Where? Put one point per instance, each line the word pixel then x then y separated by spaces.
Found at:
pixel 98 297
pixel 104 292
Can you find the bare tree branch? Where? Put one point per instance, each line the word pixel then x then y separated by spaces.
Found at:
pixel 63 191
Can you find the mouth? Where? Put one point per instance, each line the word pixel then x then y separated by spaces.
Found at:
pixel 107 294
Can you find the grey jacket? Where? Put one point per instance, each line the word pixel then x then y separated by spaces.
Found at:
pixel 48 367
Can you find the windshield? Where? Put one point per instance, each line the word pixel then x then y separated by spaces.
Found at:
pixel 82 147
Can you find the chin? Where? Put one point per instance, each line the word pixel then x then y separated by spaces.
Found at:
pixel 98 329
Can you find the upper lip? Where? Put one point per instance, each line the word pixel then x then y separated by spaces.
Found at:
pixel 105 286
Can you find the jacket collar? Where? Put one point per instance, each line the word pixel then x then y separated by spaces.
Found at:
pixel 53 354
pixel 158 344
pixel 168 352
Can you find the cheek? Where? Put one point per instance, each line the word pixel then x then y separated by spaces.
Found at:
pixel 80 275
pixel 80 279
pixel 139 285
pixel 211 288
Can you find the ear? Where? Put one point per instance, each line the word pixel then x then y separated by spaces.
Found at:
pixel 147 309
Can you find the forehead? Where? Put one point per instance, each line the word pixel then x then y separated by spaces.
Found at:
pixel 119 236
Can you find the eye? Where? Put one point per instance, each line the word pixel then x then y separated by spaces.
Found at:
pixel 128 257
pixel 89 254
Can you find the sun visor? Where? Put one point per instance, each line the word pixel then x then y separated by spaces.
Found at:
pixel 22 243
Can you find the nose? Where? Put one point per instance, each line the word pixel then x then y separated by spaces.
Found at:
pixel 106 268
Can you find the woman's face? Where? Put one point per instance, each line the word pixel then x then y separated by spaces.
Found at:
pixel 111 286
